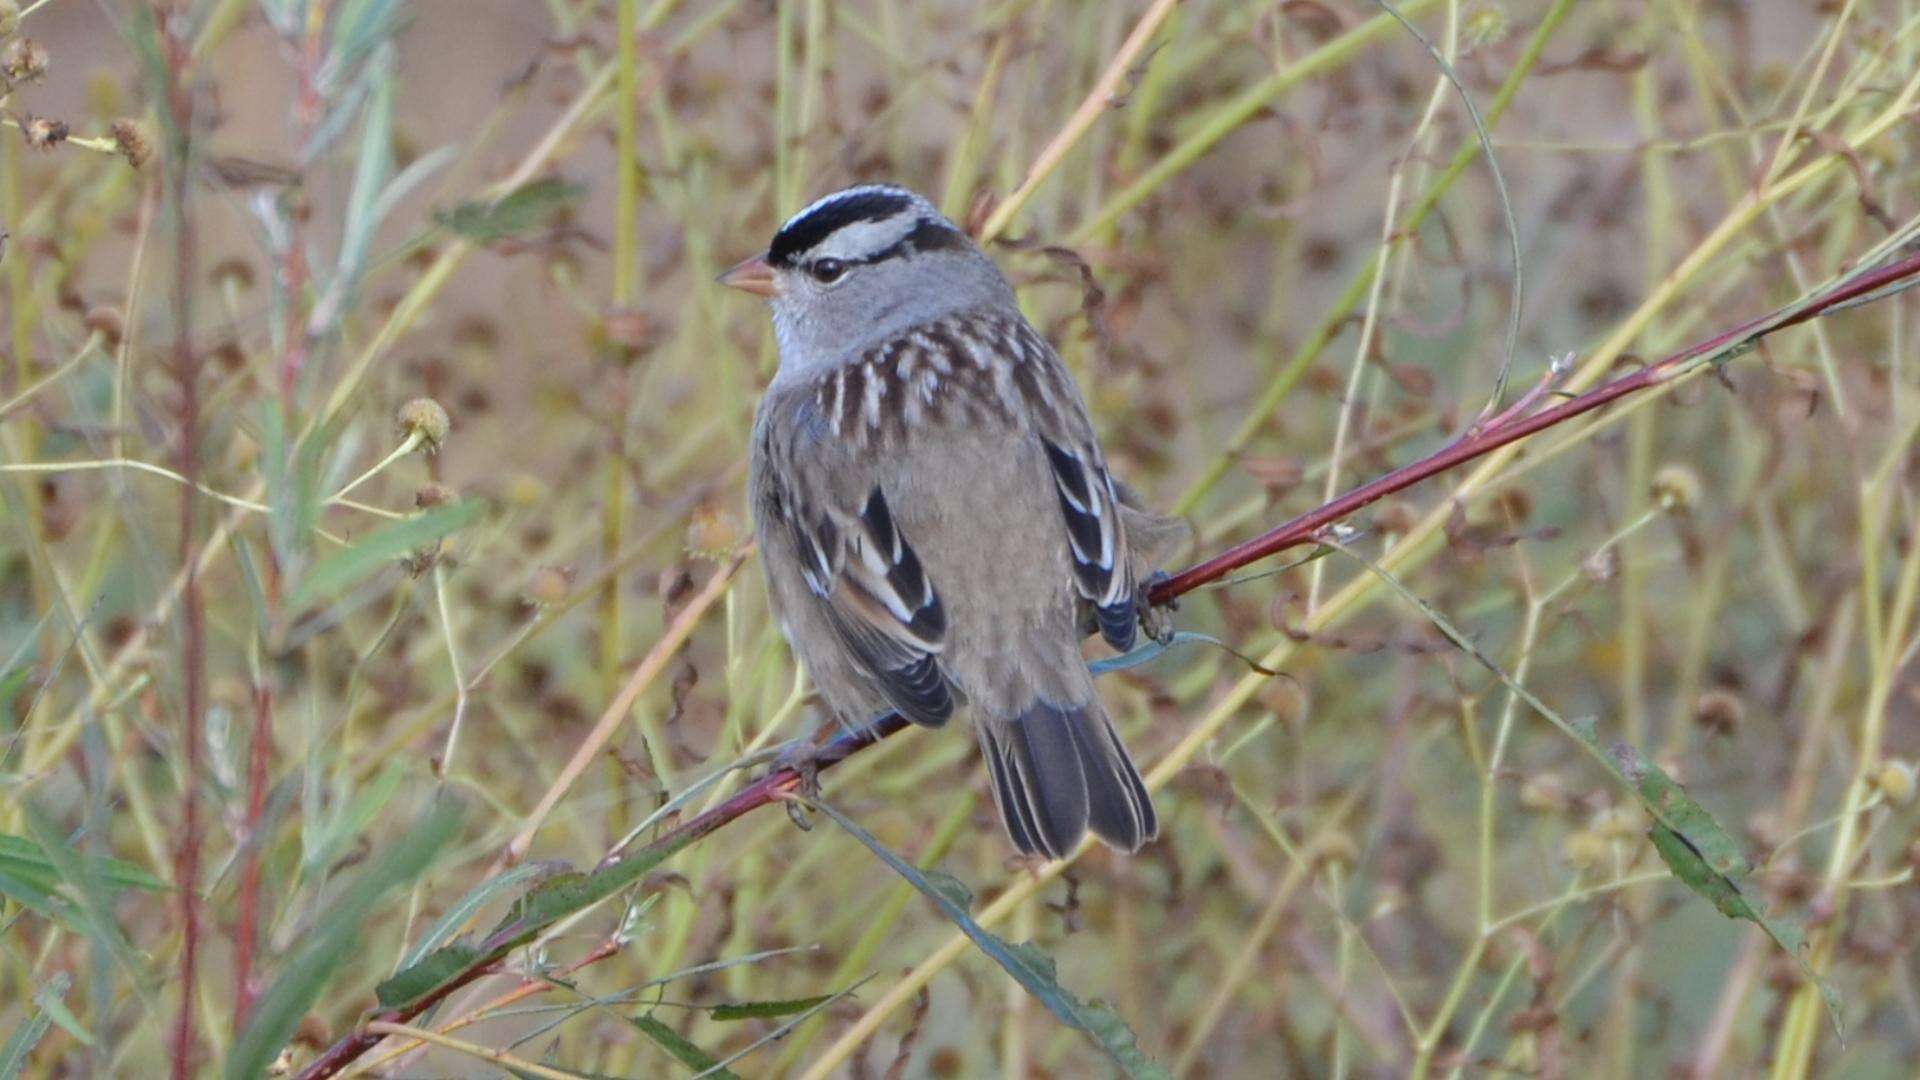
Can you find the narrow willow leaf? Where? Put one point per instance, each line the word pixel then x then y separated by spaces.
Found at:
pixel 95 902
pixel 683 1051
pixel 751 1010
pixel 420 979
pixel 1151 651
pixel 521 209
pixel 1029 966
pixel 476 898
pixel 25 859
pixel 381 547
pixel 33 896
pixel 13 1055
pixel 334 939
pixel 541 907
pixel 52 999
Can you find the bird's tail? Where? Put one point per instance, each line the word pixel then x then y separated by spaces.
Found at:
pixel 1060 770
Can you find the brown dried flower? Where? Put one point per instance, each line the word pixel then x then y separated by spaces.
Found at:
pixel 132 141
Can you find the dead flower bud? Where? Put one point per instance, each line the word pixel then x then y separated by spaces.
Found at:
pixel 524 489
pixel 713 531
pixel 1585 849
pixel 1337 849
pixel 1896 780
pixel 131 140
pixel 432 495
pixel 1601 566
pixel 549 585
pixel 1543 793
pixel 24 61
pixel 427 557
pixel 1396 517
pixel 426 420
pixel 1620 822
pixel 1486 24
pixel 43 132
pixel 235 272
pixel 1676 489
pixel 106 322
pixel 1718 711
pixel 628 333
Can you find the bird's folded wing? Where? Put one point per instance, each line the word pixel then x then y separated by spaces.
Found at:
pixel 877 598
pixel 1102 571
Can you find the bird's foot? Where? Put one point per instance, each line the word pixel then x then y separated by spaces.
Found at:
pixel 1156 620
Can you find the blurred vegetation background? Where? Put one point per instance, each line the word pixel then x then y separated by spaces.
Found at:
pixel 394 322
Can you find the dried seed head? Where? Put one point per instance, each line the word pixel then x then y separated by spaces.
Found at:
pixel 9 16
pixel 1896 780
pixel 1338 849
pixel 549 585
pixel 423 417
pixel 628 334
pixel 432 495
pixel 1676 489
pixel 1601 566
pixel 1543 793
pixel 1585 849
pixel 1486 24
pixel 43 132
pixel 1718 711
pixel 427 557
pixel 1620 822
pixel 1515 504
pixel 24 60
pixel 524 489
pixel 132 141
pixel 713 530
pixel 106 322
pixel 1396 517
pixel 237 271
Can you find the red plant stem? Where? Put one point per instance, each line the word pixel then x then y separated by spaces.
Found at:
pixel 246 924
pixel 186 370
pixel 778 783
pixel 1304 528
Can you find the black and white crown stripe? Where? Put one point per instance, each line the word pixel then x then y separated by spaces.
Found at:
pixel 862 225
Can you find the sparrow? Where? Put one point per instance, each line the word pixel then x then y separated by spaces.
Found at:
pixel 935 519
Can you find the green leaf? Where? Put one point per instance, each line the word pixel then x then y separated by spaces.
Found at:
pixel 25 859
pixel 304 973
pixel 13 1055
pixel 523 208
pixel 683 1051
pixel 10 686
pixel 293 490
pixel 1708 861
pixel 52 1000
pixel 752 1010
pixel 386 544
pixel 418 980
pixel 1030 967
pixel 39 898
pixel 547 903
pixel 476 898
pixel 95 903
pixel 1151 651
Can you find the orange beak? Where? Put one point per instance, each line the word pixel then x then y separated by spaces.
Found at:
pixel 752 275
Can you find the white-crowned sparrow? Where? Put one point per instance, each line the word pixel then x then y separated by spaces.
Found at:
pixel 934 515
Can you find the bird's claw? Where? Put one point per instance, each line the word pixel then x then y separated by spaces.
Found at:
pixel 1156 620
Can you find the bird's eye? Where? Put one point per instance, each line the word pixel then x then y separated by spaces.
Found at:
pixel 827 271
